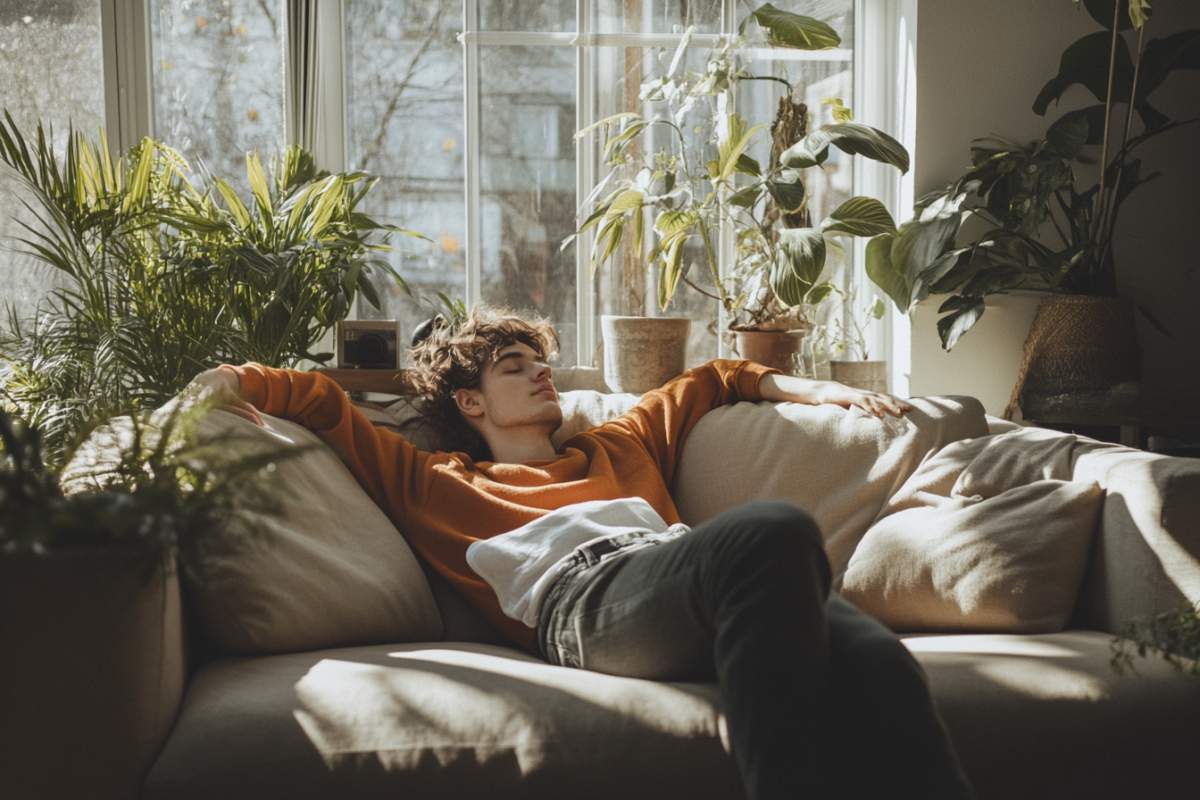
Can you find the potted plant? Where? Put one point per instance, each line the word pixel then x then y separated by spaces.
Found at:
pixel 854 367
pixel 89 588
pixel 1044 227
pixel 148 252
pixel 676 195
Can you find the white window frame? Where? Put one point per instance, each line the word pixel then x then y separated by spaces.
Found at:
pixel 884 56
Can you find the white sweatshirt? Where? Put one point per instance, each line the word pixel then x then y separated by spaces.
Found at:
pixel 521 565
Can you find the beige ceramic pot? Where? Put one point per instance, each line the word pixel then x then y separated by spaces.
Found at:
pixel 770 348
pixel 868 375
pixel 643 353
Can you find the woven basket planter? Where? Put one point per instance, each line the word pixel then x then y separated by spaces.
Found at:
pixel 1077 343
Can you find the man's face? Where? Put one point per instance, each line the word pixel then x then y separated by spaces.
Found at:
pixel 515 390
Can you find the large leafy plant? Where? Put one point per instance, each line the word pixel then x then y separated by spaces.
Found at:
pixel 164 273
pixel 780 254
pixel 1042 226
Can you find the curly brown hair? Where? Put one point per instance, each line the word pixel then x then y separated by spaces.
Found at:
pixel 453 356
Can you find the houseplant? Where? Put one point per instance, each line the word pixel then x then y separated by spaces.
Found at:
pixel 164 273
pixel 1044 226
pixel 690 193
pixel 853 365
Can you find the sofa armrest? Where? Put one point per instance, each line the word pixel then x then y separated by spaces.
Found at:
pixel 1146 558
pixel 93 671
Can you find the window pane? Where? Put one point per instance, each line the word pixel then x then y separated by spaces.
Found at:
pixel 527 203
pixel 656 16
pixel 218 80
pixel 405 118
pixel 52 63
pixel 524 15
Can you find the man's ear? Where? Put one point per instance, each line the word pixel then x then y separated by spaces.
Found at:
pixel 469 402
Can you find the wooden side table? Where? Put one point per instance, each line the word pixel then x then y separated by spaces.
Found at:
pixel 1084 412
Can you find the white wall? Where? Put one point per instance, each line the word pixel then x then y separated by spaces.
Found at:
pixel 980 64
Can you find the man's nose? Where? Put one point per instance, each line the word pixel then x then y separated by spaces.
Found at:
pixel 542 371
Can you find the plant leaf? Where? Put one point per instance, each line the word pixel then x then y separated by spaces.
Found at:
pixel 850 137
pixel 804 251
pixel 787 190
pixel 860 216
pixel 962 317
pixel 785 29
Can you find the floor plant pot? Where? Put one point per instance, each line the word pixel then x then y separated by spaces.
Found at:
pixel 1077 343
pixel 643 353
pixel 870 376
pixel 92 672
pixel 776 349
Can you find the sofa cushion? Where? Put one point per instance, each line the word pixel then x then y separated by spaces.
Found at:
pixel 1046 717
pixel 840 465
pixel 458 720
pixel 1012 562
pixel 439 720
pixel 325 568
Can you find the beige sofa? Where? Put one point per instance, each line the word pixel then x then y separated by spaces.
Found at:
pixel 463 715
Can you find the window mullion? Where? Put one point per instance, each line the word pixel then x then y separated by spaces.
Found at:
pixel 473 289
pixel 585 299
pixel 125 26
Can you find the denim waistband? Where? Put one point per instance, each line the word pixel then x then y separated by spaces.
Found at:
pixel 579 566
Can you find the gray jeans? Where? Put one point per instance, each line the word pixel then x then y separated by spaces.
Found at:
pixel 820 699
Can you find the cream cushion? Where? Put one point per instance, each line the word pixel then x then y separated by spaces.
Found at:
pixel 1031 716
pixel 325 568
pixel 840 465
pixel 1012 562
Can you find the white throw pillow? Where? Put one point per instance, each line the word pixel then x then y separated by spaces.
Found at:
pixel 329 569
pixel 1011 563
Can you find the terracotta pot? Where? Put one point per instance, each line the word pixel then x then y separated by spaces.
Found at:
pixel 643 353
pixel 869 375
pixel 770 348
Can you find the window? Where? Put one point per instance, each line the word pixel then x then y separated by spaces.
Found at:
pixel 527 84
pixel 466 109
pixel 51 57
pixel 217 76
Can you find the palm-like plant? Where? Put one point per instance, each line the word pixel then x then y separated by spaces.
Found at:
pixel 165 277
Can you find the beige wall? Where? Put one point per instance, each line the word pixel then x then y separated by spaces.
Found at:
pixel 980 64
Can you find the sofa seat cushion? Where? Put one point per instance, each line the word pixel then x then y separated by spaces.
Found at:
pixel 438 720
pixel 1031 716
pixel 1045 716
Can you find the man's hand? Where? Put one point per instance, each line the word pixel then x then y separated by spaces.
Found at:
pixel 789 388
pixel 877 403
pixel 223 384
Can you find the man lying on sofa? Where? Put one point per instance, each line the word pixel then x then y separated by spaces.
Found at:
pixel 578 554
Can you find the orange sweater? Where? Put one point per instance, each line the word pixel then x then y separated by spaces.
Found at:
pixel 445 501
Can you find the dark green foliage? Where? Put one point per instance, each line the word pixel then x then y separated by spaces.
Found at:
pixel 1172 635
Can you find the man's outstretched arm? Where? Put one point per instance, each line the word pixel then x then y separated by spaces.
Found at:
pixel 788 388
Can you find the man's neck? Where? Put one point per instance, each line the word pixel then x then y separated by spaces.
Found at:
pixel 522 446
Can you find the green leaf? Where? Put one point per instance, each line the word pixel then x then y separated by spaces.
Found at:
pixel 1103 12
pixel 849 137
pixel 609 120
pixel 804 251
pixel 671 270
pixel 884 273
pixel 964 314
pixel 1180 50
pixel 234 203
pixel 1085 62
pixel 860 216
pixel 258 184
pixel 626 201
pixel 1140 12
pixel 670 224
pixel 818 293
pixel 787 190
pixel 748 165
pixel 733 145
pixel 614 148
pixel 785 29
pixel 746 197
